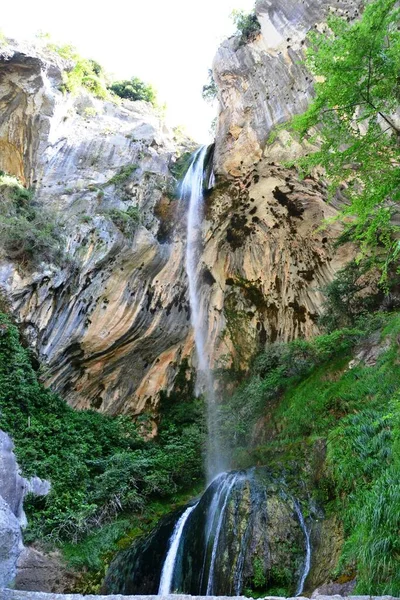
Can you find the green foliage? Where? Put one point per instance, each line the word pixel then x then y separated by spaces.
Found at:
pixel 84 73
pixel 99 466
pixel 210 89
pixel 247 25
pixel 357 93
pixel 339 428
pixel 349 296
pixel 134 89
pixel 123 174
pixel 278 368
pixel 127 221
pixel 30 233
pixel 181 165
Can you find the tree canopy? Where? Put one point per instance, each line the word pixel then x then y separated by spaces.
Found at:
pixel 354 117
pixel 134 89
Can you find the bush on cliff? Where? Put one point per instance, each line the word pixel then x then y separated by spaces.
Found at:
pixel 30 233
pixel 247 25
pixel 134 89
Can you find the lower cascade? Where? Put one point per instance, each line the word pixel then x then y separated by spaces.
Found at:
pixel 245 528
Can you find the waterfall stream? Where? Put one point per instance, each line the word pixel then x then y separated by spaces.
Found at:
pixel 170 560
pixel 222 484
pixel 193 193
pixel 307 562
pixel 217 513
pixel 210 547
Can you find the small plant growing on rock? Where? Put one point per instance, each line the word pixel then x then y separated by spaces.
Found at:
pixel 247 25
pixel 29 233
pixel 126 221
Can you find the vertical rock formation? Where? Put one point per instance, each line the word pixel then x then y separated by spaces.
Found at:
pixel 111 323
pixel 263 83
pixel 13 488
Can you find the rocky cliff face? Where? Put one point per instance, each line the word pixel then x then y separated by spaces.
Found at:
pixel 263 83
pixel 112 324
pixel 265 261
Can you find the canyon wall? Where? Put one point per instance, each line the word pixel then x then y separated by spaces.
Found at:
pixel 111 325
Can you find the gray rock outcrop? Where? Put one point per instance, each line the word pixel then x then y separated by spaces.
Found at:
pixel 13 489
pixel 41 572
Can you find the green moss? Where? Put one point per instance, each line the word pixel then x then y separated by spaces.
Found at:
pixel 181 165
pixel 123 175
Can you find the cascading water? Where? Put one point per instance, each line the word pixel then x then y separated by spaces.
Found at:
pixel 216 516
pixel 193 192
pixel 168 570
pixel 212 545
pixel 307 562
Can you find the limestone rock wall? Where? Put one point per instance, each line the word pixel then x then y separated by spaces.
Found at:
pixel 112 325
pixel 112 322
pixel 265 260
pixel 263 83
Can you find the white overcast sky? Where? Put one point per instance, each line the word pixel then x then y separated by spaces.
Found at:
pixel 169 43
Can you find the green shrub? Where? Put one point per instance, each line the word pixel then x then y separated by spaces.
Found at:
pixel 99 466
pixel 123 175
pixel 85 73
pixel 247 25
pixel 30 233
pixel 181 165
pixel 134 89
pixel 126 221
pixel 210 89
pixel 349 296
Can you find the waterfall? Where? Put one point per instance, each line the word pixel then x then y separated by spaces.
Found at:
pixel 210 549
pixel 307 562
pixel 222 496
pixel 193 193
pixel 168 570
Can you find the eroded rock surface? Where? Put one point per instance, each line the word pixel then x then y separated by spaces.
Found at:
pixel 41 572
pixel 263 83
pixel 266 260
pixel 112 322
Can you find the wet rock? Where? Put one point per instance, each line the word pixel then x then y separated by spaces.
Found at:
pixel 255 528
